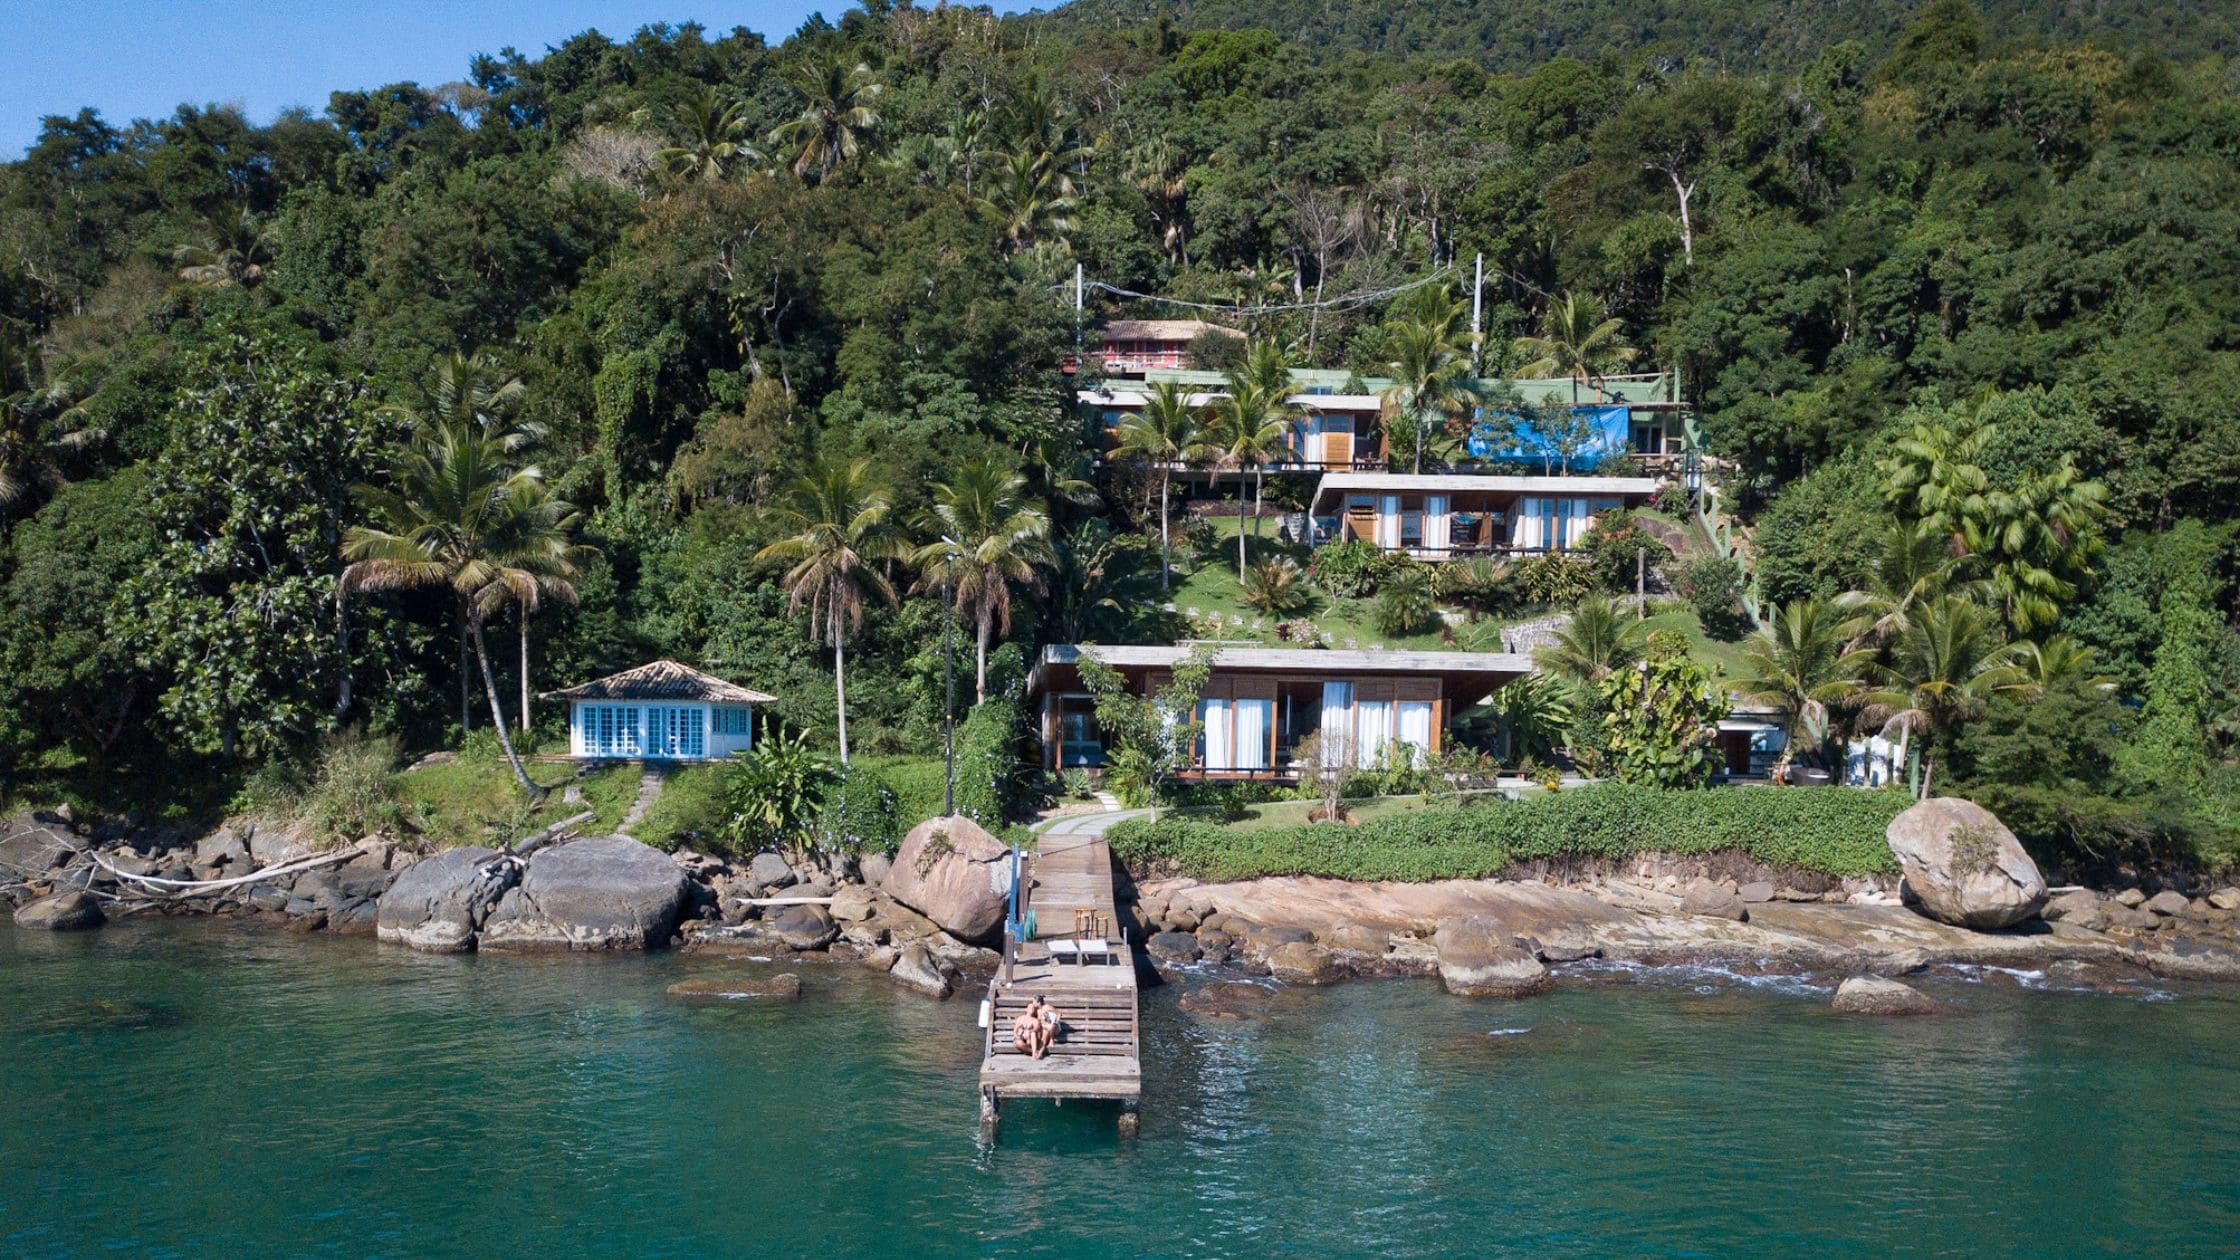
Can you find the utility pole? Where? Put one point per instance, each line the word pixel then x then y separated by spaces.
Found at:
pixel 1080 295
pixel 1477 314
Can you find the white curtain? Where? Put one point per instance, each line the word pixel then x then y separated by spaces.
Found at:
pixel 1376 730
pixel 1337 720
pixel 1528 523
pixel 1435 524
pixel 1254 717
pixel 1388 521
pixel 1415 726
pixel 1575 519
pixel 1219 753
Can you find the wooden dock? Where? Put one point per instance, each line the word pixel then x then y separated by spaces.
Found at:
pixel 1098 1054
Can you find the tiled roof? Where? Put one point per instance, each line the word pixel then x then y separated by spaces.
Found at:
pixel 662 680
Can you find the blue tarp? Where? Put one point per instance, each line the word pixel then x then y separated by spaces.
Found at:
pixel 1613 434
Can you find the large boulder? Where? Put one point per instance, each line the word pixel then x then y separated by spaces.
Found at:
pixel 1963 865
pixel 1479 958
pixel 914 968
pixel 1875 995
pixel 1299 962
pixel 1715 901
pixel 950 870
pixel 1175 948
pixel 606 893
pixel 804 927
pixel 438 903
pixel 71 911
pixel 30 848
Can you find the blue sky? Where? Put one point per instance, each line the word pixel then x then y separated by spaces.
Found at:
pixel 143 58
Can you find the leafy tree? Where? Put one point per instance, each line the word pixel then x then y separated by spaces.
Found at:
pixel 986 537
pixel 234 250
pixel 1661 717
pixel 2172 746
pixel 231 611
pixel 839 517
pixel 1153 737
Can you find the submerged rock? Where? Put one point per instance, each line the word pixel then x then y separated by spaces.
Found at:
pixel 947 870
pixel 437 904
pixel 1299 962
pixel 606 893
pixel 1964 866
pixel 1477 958
pixel 734 988
pixel 71 911
pixel 1876 995
pixel 1233 999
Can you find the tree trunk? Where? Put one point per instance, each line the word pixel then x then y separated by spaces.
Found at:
pixel 524 669
pixel 1259 496
pixel 1166 564
pixel 840 679
pixel 1240 526
pixel 980 661
pixel 342 652
pixel 498 716
pixel 466 686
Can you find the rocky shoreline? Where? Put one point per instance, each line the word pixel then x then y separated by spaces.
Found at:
pixel 928 917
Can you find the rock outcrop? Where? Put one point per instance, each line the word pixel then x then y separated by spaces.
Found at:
pixel 71 911
pixel 948 870
pixel 1964 867
pixel 607 893
pixel 1479 958
pixel 30 847
pixel 438 903
pixel 1877 995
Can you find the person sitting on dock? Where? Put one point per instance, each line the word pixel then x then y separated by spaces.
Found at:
pixel 1035 1028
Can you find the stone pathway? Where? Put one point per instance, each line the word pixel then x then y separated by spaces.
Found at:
pixel 650 783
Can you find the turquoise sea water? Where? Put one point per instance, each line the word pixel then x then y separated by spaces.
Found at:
pixel 203 1089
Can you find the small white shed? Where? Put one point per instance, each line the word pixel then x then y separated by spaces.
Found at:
pixel 659 712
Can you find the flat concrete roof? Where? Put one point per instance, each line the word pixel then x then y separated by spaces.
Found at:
pixel 1341 482
pixel 1334 660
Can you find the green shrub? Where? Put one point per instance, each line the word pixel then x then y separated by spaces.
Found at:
pixel 1405 607
pixel 1552 577
pixel 690 812
pixel 776 792
pixel 859 813
pixel 990 789
pixel 1348 570
pixel 353 792
pixel 918 784
pixel 1830 831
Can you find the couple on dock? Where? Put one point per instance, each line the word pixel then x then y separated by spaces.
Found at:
pixel 1036 1028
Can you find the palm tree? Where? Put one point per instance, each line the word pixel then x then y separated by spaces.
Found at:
pixel 988 537
pixel 836 115
pixel 708 136
pixel 2033 542
pixel 1576 341
pixel 1801 661
pixel 234 250
pixel 546 572
pixel 1165 434
pixel 1030 197
pixel 1430 373
pixel 457 514
pixel 1599 638
pixel 2060 664
pixel 1914 566
pixel 1943 670
pixel 1252 425
pixel 838 515
pixel 1276 587
pixel 1100 583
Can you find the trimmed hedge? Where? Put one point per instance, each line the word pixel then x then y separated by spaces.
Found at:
pixel 1831 831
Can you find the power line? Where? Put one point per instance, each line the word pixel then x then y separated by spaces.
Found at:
pixel 1344 301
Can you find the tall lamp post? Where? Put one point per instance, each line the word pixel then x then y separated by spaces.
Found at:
pixel 949 679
